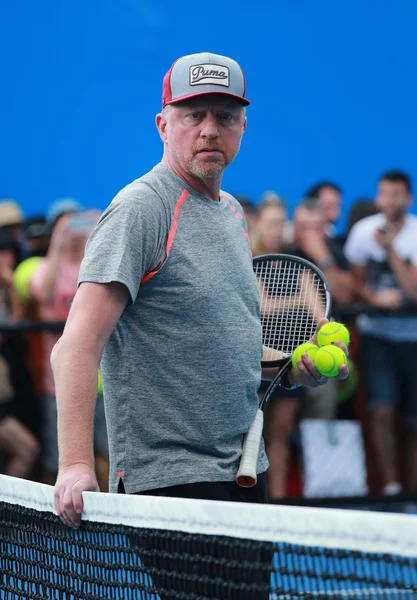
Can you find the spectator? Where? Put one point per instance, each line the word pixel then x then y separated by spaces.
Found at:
pixel 268 233
pixel 329 197
pixel 54 285
pixel 312 242
pixel 382 250
pixel 281 410
pixel 19 448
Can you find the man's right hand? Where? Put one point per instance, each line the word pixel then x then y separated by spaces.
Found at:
pixel 70 485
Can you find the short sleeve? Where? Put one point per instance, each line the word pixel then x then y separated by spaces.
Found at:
pixel 128 241
pixel 355 248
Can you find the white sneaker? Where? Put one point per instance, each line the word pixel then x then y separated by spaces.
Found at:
pixel 392 489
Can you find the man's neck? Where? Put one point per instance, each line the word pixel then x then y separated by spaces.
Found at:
pixel 207 187
pixel 397 223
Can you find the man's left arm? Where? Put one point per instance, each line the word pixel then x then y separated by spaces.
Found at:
pixel 405 273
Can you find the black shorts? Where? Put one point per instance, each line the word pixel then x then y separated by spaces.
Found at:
pixel 227 491
pixel 390 375
pixel 165 559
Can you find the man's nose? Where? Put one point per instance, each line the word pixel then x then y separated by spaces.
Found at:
pixel 210 127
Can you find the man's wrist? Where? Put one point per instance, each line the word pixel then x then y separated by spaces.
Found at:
pixel 286 381
pixel 68 465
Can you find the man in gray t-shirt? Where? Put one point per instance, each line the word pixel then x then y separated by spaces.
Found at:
pixel 182 366
pixel 169 305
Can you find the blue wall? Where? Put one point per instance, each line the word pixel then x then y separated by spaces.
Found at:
pixel 333 87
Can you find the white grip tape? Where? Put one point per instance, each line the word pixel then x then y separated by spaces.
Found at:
pixel 246 476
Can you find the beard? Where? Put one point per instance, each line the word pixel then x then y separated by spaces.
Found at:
pixel 209 166
pixel 397 214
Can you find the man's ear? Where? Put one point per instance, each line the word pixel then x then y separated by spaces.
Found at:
pixel 161 122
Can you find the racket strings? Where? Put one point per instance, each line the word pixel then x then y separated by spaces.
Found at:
pixel 292 299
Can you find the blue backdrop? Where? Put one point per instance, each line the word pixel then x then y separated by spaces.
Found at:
pixel 333 88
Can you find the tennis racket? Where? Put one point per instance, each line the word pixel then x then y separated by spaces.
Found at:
pixel 294 297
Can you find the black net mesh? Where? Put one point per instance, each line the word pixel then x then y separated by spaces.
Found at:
pixel 41 558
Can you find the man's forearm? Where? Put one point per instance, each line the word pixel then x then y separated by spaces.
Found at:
pixel 402 273
pixel 75 374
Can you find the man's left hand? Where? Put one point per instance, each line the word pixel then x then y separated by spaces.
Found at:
pixel 307 373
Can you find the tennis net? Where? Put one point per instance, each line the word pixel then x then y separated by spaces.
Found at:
pixel 139 547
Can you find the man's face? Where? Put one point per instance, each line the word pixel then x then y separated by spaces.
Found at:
pixel 330 203
pixel 393 199
pixel 203 134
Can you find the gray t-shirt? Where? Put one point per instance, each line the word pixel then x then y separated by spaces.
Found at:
pixel 182 367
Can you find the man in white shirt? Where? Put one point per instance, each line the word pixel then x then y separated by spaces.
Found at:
pixel 382 251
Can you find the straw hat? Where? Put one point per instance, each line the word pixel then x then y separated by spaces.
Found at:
pixel 10 213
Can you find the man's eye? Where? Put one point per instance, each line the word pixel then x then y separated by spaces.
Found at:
pixel 195 115
pixel 226 116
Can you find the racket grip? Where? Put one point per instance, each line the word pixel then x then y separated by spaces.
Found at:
pixel 246 475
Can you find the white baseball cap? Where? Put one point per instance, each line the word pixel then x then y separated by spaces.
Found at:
pixel 201 74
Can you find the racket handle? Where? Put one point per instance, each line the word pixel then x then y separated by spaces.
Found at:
pixel 246 476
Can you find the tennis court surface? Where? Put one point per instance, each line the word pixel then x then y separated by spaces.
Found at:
pixel 137 547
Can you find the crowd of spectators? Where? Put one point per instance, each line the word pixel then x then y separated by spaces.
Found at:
pixel 372 273
pixel 40 260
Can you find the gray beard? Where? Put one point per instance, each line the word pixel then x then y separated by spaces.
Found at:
pixel 212 170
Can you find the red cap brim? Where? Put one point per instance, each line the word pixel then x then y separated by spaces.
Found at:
pixel 240 99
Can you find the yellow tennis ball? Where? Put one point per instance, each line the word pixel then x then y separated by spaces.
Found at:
pixel 332 332
pixel 328 360
pixel 99 383
pixel 22 277
pixel 307 348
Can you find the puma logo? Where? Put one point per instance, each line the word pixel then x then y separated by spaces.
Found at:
pixel 206 74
